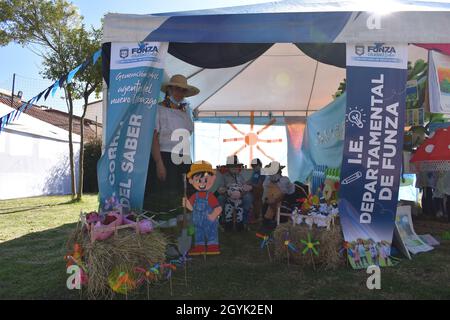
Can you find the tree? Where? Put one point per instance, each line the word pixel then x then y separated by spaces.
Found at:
pixel 341 89
pixel 79 44
pixel 53 29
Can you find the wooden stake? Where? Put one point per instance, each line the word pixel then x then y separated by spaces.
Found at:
pixel 185 272
pixel 268 252
pixel 92 232
pixel 287 253
pixel 312 258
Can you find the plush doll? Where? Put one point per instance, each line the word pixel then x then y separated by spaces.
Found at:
pixel 309 203
pixel 205 209
pixel 330 190
pixel 273 197
pixel 234 208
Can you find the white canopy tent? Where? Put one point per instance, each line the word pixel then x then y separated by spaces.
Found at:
pixel 283 80
pixel 280 80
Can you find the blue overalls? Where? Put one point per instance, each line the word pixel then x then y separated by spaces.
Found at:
pixel 205 230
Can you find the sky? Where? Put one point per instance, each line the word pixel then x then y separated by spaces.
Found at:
pixel 27 65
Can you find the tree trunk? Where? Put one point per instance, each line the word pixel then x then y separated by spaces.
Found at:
pixel 71 155
pixel 81 159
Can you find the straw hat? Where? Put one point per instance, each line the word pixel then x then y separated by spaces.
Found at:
pixel 180 81
pixel 200 166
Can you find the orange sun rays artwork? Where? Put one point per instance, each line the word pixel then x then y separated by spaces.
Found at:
pixel 251 139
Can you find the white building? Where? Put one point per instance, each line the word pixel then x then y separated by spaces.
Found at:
pixel 34 158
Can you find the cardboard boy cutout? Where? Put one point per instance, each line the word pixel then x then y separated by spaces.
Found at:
pixel 205 209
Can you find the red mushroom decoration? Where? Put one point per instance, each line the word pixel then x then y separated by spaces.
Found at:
pixel 434 153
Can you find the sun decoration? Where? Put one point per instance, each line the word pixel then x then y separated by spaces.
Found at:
pixel 251 138
pixel 310 245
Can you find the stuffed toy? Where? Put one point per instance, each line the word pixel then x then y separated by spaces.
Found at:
pixel 205 209
pixel 234 212
pixel 309 203
pixel 273 197
pixel 330 190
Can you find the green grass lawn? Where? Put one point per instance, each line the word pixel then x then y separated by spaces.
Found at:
pixel 33 233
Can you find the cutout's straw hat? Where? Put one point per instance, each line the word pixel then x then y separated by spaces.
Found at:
pixel 180 81
pixel 200 166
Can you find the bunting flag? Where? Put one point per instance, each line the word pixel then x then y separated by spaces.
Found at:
pixel 67 78
pixel 29 103
pixel 72 74
pixel 47 92
pixel 62 80
pixel 55 88
pixel 96 55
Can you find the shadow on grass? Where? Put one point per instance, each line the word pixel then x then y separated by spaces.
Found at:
pixel 32 267
pixel 16 209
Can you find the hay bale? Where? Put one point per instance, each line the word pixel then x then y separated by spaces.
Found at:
pixel 330 243
pixel 127 249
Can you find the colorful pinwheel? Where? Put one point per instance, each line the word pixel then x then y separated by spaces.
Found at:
pixel 265 239
pixel 310 245
pixel 144 275
pixel 345 246
pixel 182 260
pixel 112 204
pixel 155 269
pixel 75 257
pixel 169 267
pixel 121 282
pixel 147 276
pixel 288 243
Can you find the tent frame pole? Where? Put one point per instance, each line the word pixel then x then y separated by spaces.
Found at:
pixel 312 87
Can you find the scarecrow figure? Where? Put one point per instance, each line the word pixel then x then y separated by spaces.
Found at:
pixel 205 209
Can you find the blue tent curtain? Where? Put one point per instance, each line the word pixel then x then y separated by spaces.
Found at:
pixel 328 53
pixel 106 61
pixel 226 55
pixel 217 55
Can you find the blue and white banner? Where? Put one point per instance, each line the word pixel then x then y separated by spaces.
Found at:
pixel 371 166
pixel 135 81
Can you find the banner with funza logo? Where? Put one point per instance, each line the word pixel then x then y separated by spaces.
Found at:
pixel 136 73
pixel 371 166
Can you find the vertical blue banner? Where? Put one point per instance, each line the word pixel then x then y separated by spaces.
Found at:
pixel 371 166
pixel 135 81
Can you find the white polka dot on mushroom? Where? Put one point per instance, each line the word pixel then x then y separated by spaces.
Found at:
pixel 429 148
